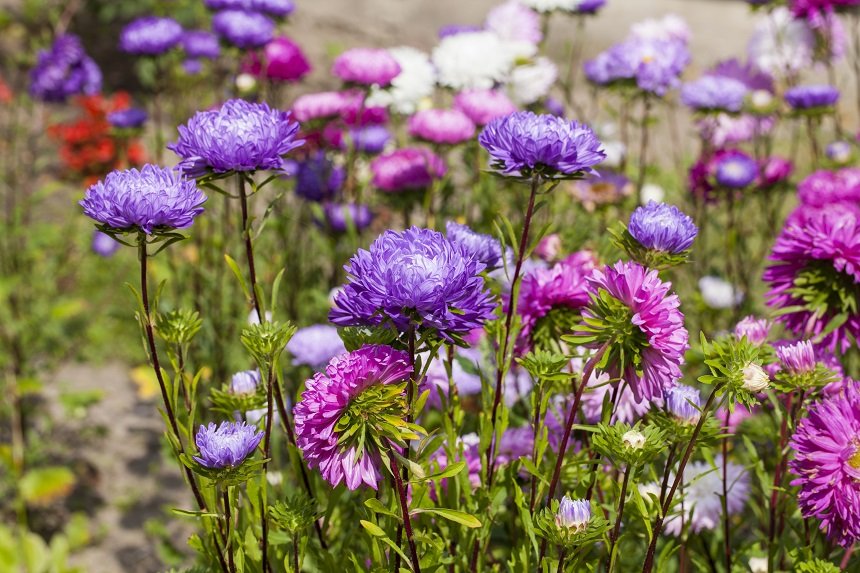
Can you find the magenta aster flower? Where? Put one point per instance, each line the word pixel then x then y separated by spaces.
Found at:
pixel 755 329
pixel 150 36
pixel 817 267
pixel 441 126
pixel 338 399
pixel 632 311
pixel 414 278
pixel 524 142
pixel 239 136
pixel 774 170
pixel 483 106
pixel 827 463
pixel 406 168
pixel 366 66
pixel 797 358
pixel 320 105
pixel 226 445
pixel 243 29
pixel 282 60
pixel 822 188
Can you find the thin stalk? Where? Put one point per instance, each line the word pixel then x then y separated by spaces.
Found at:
pixel 613 539
pixel 535 432
pixel 777 479
pixel 249 246
pixel 643 145
pixel 267 450
pixel 410 396
pixel 561 558
pixel 228 517
pixel 404 508
pixel 727 541
pixel 669 459
pixel 296 553
pixel 846 559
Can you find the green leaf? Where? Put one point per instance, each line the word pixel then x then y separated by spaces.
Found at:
pixel 44 485
pixel 236 271
pixel 452 515
pixel 373 529
pixel 376 506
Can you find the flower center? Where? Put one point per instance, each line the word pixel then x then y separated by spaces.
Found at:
pixel 854 460
pixel 373 418
pixel 826 291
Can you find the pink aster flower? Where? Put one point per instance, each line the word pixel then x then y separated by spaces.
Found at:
pixel 827 463
pixel 318 106
pixel 755 329
pixel 324 411
pixel 406 168
pixel 366 66
pixel 442 126
pixel 483 106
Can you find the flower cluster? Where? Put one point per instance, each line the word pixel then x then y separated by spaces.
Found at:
pixel 63 71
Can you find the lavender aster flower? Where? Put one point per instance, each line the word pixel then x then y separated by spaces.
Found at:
pixel 483 248
pixel 243 29
pixel 315 345
pixel 483 106
pixel 370 139
pixel 245 382
pixel 662 227
pixel 442 126
pixel 201 44
pixel 340 217
pixel 684 403
pixel 653 65
pixel 104 245
pixel 317 178
pixel 755 329
pixel 227 445
pixel 515 22
pixel 350 382
pixel 714 93
pixel 634 313
pixel 239 136
pixel 366 66
pixel 797 358
pixel 406 168
pixel 573 514
pixel 811 97
pixel 524 142
pixel 148 200
pixel 130 118
pixel 150 36
pixel 827 463
pixel 412 278
pixel 63 71
pixel 736 170
pixel 839 152
pixel 277 8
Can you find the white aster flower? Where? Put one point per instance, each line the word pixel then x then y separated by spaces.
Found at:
pixel 550 5
pixel 473 60
pixel 718 293
pixel 531 82
pixel 781 44
pixel 669 27
pixel 415 82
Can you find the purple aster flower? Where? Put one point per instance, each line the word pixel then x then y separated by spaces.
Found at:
pixel 774 170
pixel 227 445
pixel 406 168
pixel 370 139
pixel 318 105
pixel 366 66
pixel 514 22
pixel 662 227
pixel 339 217
pixel 277 8
pixel 436 379
pixel 753 78
pixel 456 29
pixel 483 106
pixel 827 463
pixel 573 514
pixel 226 4
pixel 588 6
pixel 315 345
pixel 150 36
pixel 735 170
pixel 654 65
pixel 243 29
pixel 755 329
pixel 811 97
pixel 148 200
pixel 714 93
pixel 817 267
pixel 244 382
pixel 285 60
pixel 63 71
pixel 192 66
pixel 683 403
pixel 104 245
pixel 201 44
pixel 797 358
pixel 650 356
pixel 483 248
pixel 412 278
pixel 839 152
pixel 523 141
pixel 317 178
pixel 822 188
pixel 441 126
pixel 239 136
pixel 130 118
pixel 328 396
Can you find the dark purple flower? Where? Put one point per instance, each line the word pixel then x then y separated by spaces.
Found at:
pixel 227 445
pixel 318 105
pixel 523 141
pixel 148 200
pixel 200 44
pixel 127 118
pixel 150 36
pixel 104 245
pixel 414 278
pixel 315 345
pixel 811 97
pixel 714 93
pixel 366 66
pixel 63 71
pixel 239 136
pixel 827 463
pixel 441 126
pixel 662 227
pixel 483 248
pixel 588 6
pixel 341 216
pixel 243 29
pixel 318 179
pixel 285 60
pixel 735 170
pixel 406 168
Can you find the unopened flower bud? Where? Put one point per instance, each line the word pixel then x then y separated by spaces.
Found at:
pixel 755 378
pixel 634 440
pixel 573 514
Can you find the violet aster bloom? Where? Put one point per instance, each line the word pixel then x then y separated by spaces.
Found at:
pixel 318 105
pixel 148 200
pixel 277 8
pixel 406 168
pixel 822 188
pixel 414 278
pixel 684 403
pixel 340 217
pixel 329 396
pixel 573 514
pixel 366 66
pixel 227 445
pixel 130 118
pixel 315 345
pixel 63 71
pixel 150 36
pixel 811 97
pixel 736 170
pixel 483 106
pixel 483 248
pixel 755 329
pixel 753 78
pixel 104 245
pixel 226 4
pixel 817 267
pixel 524 142
pixel 318 179
pixel 588 6
pixel 605 187
pixel 662 227
pixel 827 463
pixel 654 65
pixel 441 126
pixel 797 358
pixel 514 22
pixel 244 382
pixel 239 136
pixel 456 29
pixel 370 139
pixel 243 29
pixel 650 356
pixel 201 44
pixel 714 93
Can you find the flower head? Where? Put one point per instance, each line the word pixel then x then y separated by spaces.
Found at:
pixel 441 126
pixel 797 358
pixel 245 382
pixel 736 170
pixel 357 395
pixel 63 71
pixel 573 514
pixel 239 136
pixel 719 293
pixel 531 82
pixel 200 44
pixel 711 93
pixel 406 168
pixel 755 379
pixel 317 178
pixel 148 200
pixel 315 345
pixel 662 227
pixel 414 278
pixel 810 97
pixel 341 217
pixel 150 36
pixel 104 245
pixel 781 44
pixel 483 106
pixel 515 22
pixel 839 152
pixel 627 408
pixel 684 403
pixel 524 142
pixel 827 464
pixel 283 61
pixel 483 248
pixel 653 65
pixel 243 29
pixel 755 329
pixel 822 188
pixel 227 445
pixel 127 118
pixel 473 60
pixel 633 439
pixel 366 66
